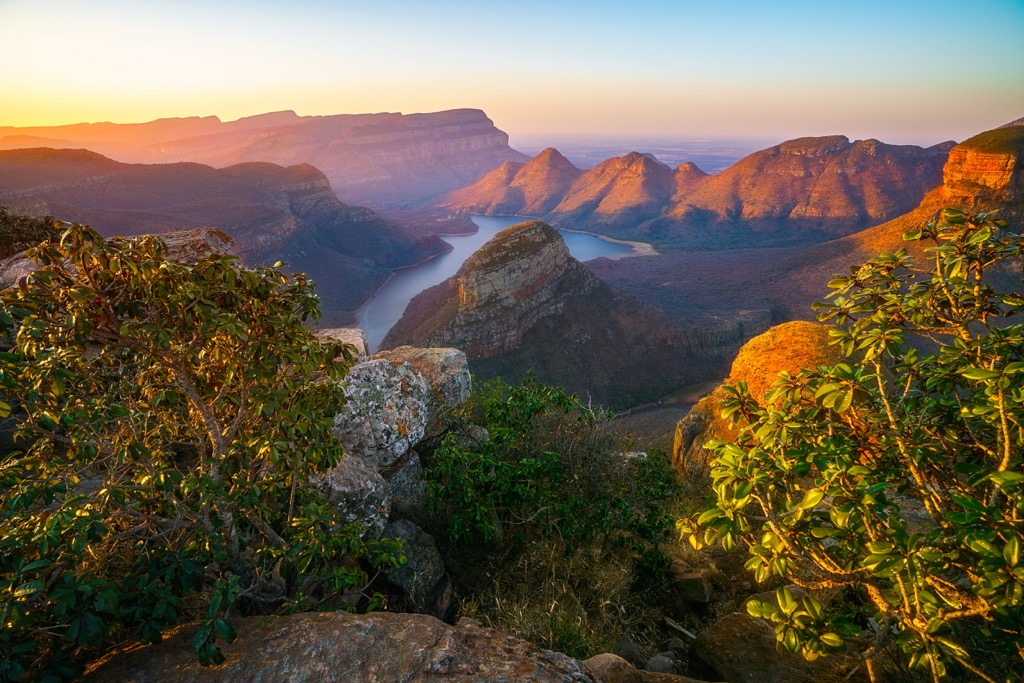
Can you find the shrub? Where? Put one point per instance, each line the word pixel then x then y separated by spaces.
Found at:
pixel 547 469
pixel 175 413
pixel 573 529
pixel 895 474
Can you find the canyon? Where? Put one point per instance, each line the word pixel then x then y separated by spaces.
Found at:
pixel 522 304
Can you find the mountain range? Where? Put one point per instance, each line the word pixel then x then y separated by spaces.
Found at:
pixel 804 190
pixel 272 212
pixel 385 159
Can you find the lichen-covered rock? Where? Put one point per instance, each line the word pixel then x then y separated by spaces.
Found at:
pixel 358 492
pixel 422 576
pixel 348 335
pixel 447 372
pixel 380 647
pixel 386 412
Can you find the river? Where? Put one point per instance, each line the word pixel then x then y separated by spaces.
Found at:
pixel 381 312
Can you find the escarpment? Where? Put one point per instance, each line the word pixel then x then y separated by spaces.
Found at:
pixel 522 304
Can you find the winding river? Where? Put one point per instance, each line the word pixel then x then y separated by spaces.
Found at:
pixel 380 313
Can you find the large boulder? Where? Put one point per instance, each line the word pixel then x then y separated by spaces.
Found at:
pixel 381 647
pixel 788 347
pixel 386 412
pixel 742 649
pixel 348 335
pixel 358 492
pixel 447 372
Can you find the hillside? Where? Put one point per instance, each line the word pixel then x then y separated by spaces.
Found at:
pixel 272 212
pixel 983 173
pixel 804 190
pixel 388 159
pixel 522 303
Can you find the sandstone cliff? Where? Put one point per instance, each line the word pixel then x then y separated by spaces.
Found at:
pixel 385 158
pixel 804 190
pixel 523 303
pixel 272 212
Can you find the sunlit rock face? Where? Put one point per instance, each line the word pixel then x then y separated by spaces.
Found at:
pixel 986 168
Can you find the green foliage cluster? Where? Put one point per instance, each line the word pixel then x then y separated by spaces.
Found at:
pixel 547 469
pixel 18 232
pixel 896 474
pixel 557 535
pixel 174 415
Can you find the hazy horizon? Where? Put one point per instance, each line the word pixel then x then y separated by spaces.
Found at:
pixel 907 73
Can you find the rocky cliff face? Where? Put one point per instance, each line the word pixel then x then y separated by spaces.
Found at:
pixel 803 190
pixel 272 212
pixel 986 168
pixel 523 303
pixel 378 158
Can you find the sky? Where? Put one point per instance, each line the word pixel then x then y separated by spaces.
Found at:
pixel 903 71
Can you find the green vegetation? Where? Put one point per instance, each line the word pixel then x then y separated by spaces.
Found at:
pixel 175 414
pixel 999 141
pixel 18 233
pixel 894 478
pixel 574 525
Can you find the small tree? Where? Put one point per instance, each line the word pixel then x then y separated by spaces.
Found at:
pixel 175 413
pixel 896 474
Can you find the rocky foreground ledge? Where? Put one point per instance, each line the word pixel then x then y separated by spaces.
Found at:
pixel 380 647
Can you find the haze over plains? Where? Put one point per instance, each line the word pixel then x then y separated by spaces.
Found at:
pixel 904 72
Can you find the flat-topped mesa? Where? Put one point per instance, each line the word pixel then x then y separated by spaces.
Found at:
pixel 986 169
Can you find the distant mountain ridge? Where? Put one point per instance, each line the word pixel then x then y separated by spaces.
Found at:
pixel 522 303
pixel 272 212
pixel 388 159
pixel 985 172
pixel 803 190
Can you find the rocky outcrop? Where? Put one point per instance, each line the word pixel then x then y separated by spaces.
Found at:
pixel 803 190
pixel 271 212
pixel 381 647
pixel 742 649
pixel 986 169
pixel 394 402
pixel 381 158
pixel 788 347
pixel 523 303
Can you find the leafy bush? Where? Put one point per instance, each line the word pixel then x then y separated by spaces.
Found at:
pixel 18 233
pixel 547 469
pixel 175 413
pixel 896 474
pixel 573 528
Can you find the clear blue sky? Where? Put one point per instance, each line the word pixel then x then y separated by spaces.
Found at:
pixel 901 71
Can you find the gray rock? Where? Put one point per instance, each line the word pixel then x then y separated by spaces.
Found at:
pixel 359 493
pixel 661 663
pixel 628 650
pixel 447 372
pixel 423 573
pixel 408 488
pixel 386 411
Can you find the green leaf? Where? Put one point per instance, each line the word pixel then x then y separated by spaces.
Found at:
pixel 979 373
pixel 1011 552
pixel 811 498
